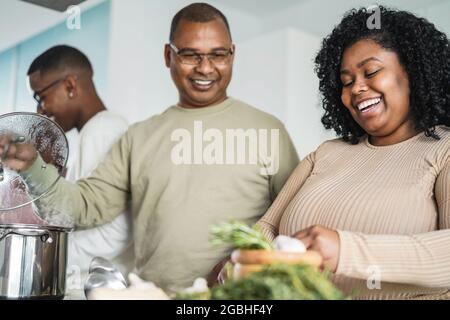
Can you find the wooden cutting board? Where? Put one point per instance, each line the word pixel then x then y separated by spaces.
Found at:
pixel 248 261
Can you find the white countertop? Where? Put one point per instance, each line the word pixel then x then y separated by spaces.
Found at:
pixel 75 294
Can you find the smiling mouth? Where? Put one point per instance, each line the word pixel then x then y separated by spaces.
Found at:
pixel 369 105
pixel 202 84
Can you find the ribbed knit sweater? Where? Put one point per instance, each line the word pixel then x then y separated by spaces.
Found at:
pixel 390 206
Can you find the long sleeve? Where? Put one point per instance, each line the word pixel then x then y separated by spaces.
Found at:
pixel 92 201
pixel 113 238
pixel 269 223
pixel 422 259
pixel 285 164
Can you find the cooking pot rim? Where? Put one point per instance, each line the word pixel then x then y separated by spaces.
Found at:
pixel 35 227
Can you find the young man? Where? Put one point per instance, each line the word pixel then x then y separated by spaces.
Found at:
pixel 61 79
pixel 208 159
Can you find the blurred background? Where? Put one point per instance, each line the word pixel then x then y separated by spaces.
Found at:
pixel 276 42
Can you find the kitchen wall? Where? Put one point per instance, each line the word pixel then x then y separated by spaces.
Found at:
pixel 139 81
pixel 276 44
pixel 282 61
pixel 439 14
pixel 273 70
pixel 92 39
pixel 7 80
pixel 273 64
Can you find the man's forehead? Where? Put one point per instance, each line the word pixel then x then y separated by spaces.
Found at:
pixel 40 78
pixel 34 81
pixel 211 34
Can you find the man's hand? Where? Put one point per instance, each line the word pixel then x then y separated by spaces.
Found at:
pixel 323 240
pixel 218 274
pixel 17 156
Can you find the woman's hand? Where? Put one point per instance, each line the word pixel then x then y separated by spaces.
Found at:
pixel 323 240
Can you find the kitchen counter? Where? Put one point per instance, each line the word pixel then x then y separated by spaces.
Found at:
pixel 75 294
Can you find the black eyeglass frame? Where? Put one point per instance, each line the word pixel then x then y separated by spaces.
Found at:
pixel 200 56
pixel 37 94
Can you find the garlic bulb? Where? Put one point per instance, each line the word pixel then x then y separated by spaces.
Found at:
pixel 288 244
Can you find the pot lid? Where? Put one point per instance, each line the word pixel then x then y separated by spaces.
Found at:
pixel 51 143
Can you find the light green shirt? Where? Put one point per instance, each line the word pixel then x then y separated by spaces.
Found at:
pixel 178 171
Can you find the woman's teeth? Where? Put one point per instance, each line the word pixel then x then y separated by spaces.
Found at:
pixel 368 103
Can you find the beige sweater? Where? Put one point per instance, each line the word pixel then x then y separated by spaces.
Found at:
pixel 390 206
pixel 175 203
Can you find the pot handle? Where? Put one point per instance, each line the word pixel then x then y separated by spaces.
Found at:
pixel 43 234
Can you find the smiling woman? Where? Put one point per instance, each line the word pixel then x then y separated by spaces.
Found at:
pixel 415 57
pixel 375 90
pixel 378 208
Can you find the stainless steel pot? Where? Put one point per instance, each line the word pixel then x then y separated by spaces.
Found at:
pixel 33 261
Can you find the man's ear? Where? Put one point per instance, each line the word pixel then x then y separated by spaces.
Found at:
pixel 71 86
pixel 233 47
pixel 167 56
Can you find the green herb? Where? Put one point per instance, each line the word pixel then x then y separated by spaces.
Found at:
pixel 239 235
pixel 193 296
pixel 273 282
pixel 280 282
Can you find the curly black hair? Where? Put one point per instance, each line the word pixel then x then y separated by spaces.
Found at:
pixel 422 50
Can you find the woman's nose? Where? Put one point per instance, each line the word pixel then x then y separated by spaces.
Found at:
pixel 358 87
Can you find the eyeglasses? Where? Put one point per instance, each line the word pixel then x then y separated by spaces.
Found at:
pixel 218 57
pixel 37 94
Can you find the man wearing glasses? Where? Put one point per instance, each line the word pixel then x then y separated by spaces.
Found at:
pixel 175 202
pixel 61 78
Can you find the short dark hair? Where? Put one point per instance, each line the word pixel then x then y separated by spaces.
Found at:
pixel 423 51
pixel 58 58
pixel 197 12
